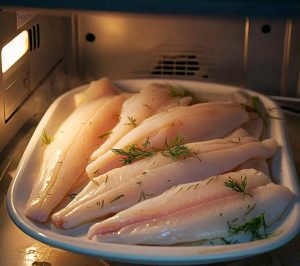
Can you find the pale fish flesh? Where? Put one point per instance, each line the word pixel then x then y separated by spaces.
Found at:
pixel 198 212
pixel 134 110
pixel 118 190
pixel 64 164
pixel 199 122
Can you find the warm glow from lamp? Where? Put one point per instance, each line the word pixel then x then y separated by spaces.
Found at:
pixel 14 50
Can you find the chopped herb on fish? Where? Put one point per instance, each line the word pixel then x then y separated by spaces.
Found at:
pixel 146 143
pixel 256 227
pixel 117 198
pixel 237 186
pixel 177 150
pixel 249 208
pixel 255 107
pixel 132 121
pixel 46 139
pixel 133 153
pixel 174 149
pixel 95 182
pixel 178 91
pixel 143 196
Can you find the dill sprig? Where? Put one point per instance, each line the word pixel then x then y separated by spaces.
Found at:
pixel 96 183
pixel 117 198
pixel 176 149
pixel 178 91
pixel 132 121
pixel 256 227
pixel 133 153
pixel 46 139
pixel 144 195
pixel 146 143
pixel 256 107
pixel 249 209
pixel 237 186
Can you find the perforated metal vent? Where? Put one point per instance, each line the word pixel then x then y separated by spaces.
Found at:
pixel 182 65
pixel 176 62
pixel 34 37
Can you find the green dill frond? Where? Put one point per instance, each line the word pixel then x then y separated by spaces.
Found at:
pixel 237 186
pixel 176 149
pixel 256 107
pixel 133 153
pixel 256 227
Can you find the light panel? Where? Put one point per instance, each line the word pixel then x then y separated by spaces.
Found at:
pixel 14 50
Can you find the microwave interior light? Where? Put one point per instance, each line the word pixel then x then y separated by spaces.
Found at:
pixel 14 50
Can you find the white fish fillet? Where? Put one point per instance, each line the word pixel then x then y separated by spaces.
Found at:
pixel 199 122
pixel 122 190
pixel 64 164
pixel 207 213
pixel 96 89
pixel 191 194
pixel 138 107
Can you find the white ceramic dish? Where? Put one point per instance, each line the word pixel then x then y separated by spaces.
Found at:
pixel 75 240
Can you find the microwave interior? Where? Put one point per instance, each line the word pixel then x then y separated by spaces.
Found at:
pixel 64 49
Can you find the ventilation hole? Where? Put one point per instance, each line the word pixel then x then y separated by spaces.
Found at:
pixel 34 37
pixel 156 72
pixel 205 76
pixel 193 68
pixel 180 68
pixel 38 35
pixel 90 37
pixel 265 28
pixel 168 73
pixel 193 63
pixel 182 65
pixel 168 62
pixel 30 40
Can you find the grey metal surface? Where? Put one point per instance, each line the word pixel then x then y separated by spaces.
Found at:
pixel 259 54
pixel 131 46
pixel 17 85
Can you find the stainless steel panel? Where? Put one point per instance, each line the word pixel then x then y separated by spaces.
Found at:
pixel 265 55
pixel 131 46
pixel 15 94
pixel 49 49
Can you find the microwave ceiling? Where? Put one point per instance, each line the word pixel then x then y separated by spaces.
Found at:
pixel 256 8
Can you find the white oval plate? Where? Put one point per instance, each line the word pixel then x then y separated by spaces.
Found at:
pixel 75 240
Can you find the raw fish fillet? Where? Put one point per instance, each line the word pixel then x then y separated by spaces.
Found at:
pixel 66 157
pixel 96 89
pixel 138 107
pixel 199 122
pixel 205 210
pixel 121 188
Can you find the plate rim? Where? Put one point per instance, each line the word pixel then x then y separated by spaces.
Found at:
pixel 244 249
